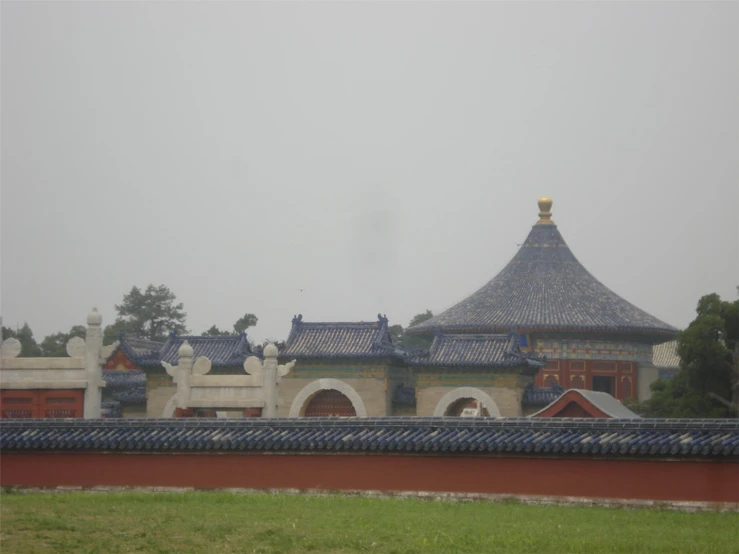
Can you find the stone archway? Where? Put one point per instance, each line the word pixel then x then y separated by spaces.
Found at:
pixel 454 396
pixel 311 389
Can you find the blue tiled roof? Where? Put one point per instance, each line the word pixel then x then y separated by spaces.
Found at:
pixel 603 438
pixel 541 396
pixel 126 386
pixel 476 351
pixel 111 408
pixel 340 340
pixel 142 352
pixel 544 287
pixel 224 351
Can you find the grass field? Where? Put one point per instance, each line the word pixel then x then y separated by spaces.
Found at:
pixel 223 522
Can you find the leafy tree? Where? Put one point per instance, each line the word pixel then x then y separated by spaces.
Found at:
pixel 707 384
pixel 151 314
pixel 112 332
pixel 56 345
pixel 397 333
pixel 216 332
pixel 243 323
pixel 411 342
pixel 29 346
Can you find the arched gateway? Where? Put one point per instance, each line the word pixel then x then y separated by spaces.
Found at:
pixel 328 397
pixel 454 403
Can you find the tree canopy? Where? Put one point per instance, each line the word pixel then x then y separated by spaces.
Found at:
pixel 707 384
pixel 244 322
pixel 214 331
pixel 151 314
pixel 29 346
pixel 411 342
pixel 241 325
pixel 55 345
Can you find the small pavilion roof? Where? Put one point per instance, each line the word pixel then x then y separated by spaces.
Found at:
pixel 223 351
pixel 593 402
pixel 544 287
pixel 340 340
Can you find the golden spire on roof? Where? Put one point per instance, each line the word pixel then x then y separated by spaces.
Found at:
pixel 545 216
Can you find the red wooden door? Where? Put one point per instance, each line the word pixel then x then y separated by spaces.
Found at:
pixel 329 403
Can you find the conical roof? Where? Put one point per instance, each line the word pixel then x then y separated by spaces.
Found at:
pixel 544 287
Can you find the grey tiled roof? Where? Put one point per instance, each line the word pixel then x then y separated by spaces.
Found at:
pixel 601 400
pixel 224 351
pixel 665 355
pixel 601 438
pixel 340 340
pixel 544 287
pixel 476 351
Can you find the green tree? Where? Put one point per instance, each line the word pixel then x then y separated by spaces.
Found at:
pixel 29 346
pixel 151 314
pixel 112 332
pixel 243 323
pixel 707 384
pixel 216 332
pixel 55 345
pixel 411 342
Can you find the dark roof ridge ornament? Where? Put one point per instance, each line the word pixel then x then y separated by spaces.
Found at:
pixel 545 215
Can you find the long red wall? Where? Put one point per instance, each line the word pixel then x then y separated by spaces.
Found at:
pixel 626 479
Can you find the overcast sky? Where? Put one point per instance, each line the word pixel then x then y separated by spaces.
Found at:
pixel 385 157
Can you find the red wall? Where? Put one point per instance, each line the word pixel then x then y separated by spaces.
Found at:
pixel 629 479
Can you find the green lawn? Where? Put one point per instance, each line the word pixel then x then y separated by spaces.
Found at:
pixel 223 522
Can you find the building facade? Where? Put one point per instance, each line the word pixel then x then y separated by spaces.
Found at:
pixel 592 338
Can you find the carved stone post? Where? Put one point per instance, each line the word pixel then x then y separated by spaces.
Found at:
pixel 184 371
pixel 269 381
pixel 93 369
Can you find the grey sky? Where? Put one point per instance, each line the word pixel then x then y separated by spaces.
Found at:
pixel 386 157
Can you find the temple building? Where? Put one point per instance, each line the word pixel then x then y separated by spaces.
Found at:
pixel 481 375
pixel 592 338
pixel 145 388
pixel 343 369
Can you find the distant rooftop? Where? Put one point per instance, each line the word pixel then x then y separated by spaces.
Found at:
pixel 544 287
pixel 476 351
pixel 665 356
pixel 222 351
pixel 340 340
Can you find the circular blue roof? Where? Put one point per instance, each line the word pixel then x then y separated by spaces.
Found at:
pixel 544 287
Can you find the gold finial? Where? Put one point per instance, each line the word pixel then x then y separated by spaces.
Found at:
pixel 545 216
